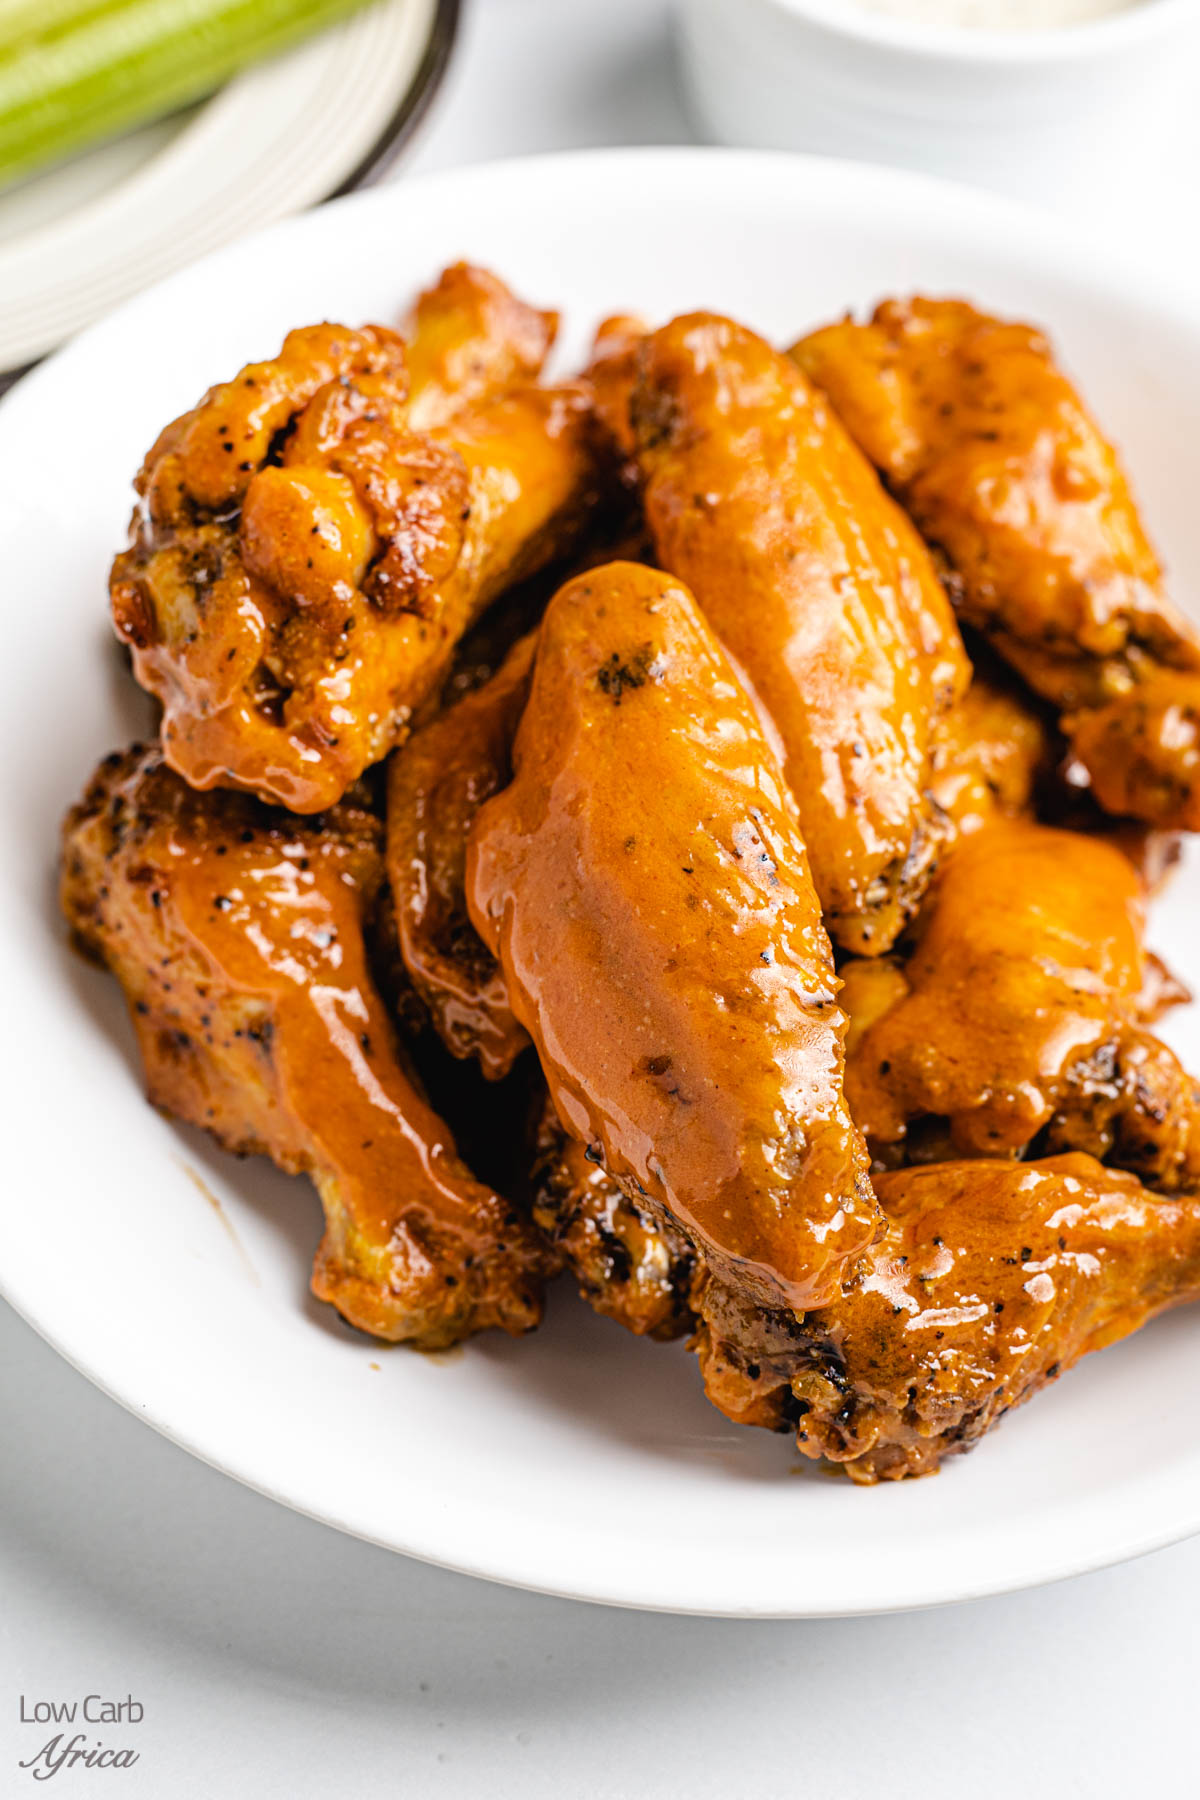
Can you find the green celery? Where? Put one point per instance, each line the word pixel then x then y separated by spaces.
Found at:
pixel 122 64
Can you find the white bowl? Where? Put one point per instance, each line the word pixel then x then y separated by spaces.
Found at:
pixel 579 1460
pixel 1018 110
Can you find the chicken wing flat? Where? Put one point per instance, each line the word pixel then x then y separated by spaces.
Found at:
pixel 631 1263
pixel 1022 1010
pixel 630 1266
pixel 470 336
pixel 990 448
pixel 436 785
pixel 645 887
pixel 991 1280
pixel 302 562
pixel 826 597
pixel 236 933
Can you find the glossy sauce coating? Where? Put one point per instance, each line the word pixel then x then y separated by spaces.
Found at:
pixel 612 374
pixel 470 336
pixel 437 782
pixel 825 595
pixel 436 785
pixel 991 1280
pixel 302 562
pixel 237 935
pixel 1021 1010
pixel 1003 469
pixel 995 750
pixel 646 889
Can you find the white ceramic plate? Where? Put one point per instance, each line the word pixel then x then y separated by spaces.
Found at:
pixel 577 1461
pixel 321 119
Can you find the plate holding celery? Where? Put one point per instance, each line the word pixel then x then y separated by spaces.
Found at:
pixel 136 135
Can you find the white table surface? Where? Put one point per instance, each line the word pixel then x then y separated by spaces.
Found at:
pixel 273 1657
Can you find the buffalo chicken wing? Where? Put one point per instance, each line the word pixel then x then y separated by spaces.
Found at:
pixel 237 933
pixel 991 1280
pixel 781 955
pixel 646 890
pixel 470 336
pixel 303 561
pixel 990 448
pixel 1022 1011
pixel 436 785
pixel 816 582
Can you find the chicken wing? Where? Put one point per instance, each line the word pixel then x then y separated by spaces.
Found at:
pixel 996 752
pixel 992 451
pixel 1000 756
pixel 302 562
pixel 1022 1011
pixel 631 1267
pixel 631 1263
pixel 436 785
pixel 470 336
pixel 992 1279
pixel 646 890
pixel 612 375
pixel 824 594
pixel 237 935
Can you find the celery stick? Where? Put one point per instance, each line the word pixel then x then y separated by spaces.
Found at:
pixel 133 61
pixel 20 19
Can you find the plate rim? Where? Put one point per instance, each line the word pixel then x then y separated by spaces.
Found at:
pixel 414 104
pixel 1169 297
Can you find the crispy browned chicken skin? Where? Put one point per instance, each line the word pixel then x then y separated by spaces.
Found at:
pixel 237 935
pixel 645 887
pixel 303 562
pixel 631 1263
pixel 991 1280
pixel 1022 1010
pixel 992 451
pixel 436 785
pixel 816 582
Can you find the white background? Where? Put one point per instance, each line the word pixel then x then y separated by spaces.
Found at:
pixel 275 1658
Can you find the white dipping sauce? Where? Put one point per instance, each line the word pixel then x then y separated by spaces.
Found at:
pixel 1000 15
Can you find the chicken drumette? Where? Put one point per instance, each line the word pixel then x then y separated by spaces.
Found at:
pixel 469 336
pixel 991 1280
pixel 816 582
pixel 303 560
pixel 1021 1014
pixel 646 890
pixel 237 934
pixel 1007 475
